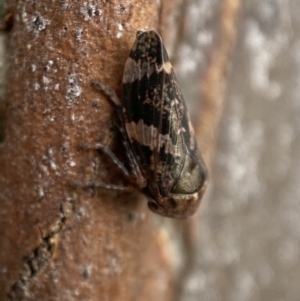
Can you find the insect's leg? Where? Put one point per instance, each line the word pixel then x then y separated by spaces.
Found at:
pixel 133 164
pixel 135 176
pixel 136 173
pixel 116 101
pixel 108 92
pixel 110 154
pixel 115 160
pixel 101 185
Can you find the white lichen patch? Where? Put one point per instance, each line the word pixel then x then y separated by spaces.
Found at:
pixel 40 192
pixel 46 82
pixel 77 118
pixel 34 23
pixel 49 162
pixel 49 65
pixel 72 163
pixel 89 11
pixel 73 88
pixel 120 31
pixel 78 35
pixel 36 86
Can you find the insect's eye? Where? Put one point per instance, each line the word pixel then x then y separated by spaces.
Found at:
pixel 191 179
pixel 173 203
pixel 153 205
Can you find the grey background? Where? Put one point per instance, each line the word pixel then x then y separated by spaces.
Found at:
pixel 249 228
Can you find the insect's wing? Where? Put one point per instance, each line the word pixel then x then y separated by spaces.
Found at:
pixel 170 147
pixel 156 119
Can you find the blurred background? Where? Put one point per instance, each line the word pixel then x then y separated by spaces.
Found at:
pixel 249 228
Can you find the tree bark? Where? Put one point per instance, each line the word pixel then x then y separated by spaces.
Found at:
pixel 64 243
pixel 59 242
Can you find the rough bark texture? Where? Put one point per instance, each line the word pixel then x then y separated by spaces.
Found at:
pixel 64 243
pixel 59 242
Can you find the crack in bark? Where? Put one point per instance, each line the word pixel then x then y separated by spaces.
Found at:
pixel 36 261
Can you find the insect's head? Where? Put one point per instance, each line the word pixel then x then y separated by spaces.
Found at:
pixel 178 205
pixel 185 197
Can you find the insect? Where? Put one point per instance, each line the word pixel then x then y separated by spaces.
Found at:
pixel 165 163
